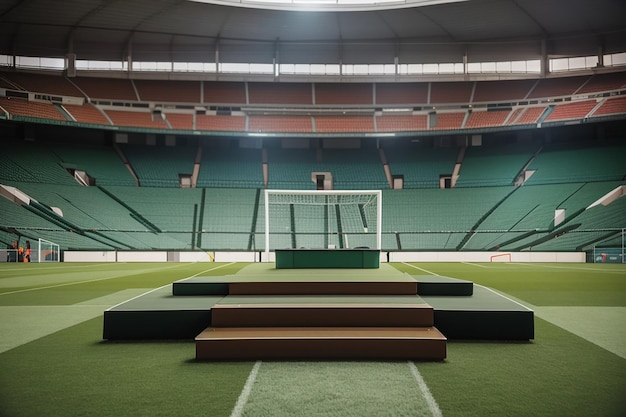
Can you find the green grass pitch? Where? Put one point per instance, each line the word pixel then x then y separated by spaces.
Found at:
pixel 53 361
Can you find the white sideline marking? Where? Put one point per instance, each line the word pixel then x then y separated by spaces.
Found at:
pixel 473 264
pixel 421 269
pixel 65 284
pixel 163 286
pixel 430 400
pixel 245 393
pixel 577 268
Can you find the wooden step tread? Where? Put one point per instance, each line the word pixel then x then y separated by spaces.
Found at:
pixel 276 333
pixel 372 343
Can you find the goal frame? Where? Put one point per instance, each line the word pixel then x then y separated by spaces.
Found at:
pixel 51 245
pixel 501 257
pixel 379 208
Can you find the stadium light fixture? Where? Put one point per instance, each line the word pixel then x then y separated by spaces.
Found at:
pixel 328 5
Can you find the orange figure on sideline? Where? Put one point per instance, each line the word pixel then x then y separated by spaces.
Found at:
pixel 27 254
pixel 20 254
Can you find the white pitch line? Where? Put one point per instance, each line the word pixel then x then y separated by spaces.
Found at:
pixel 473 264
pixel 101 279
pixel 541 265
pixel 421 269
pixel 430 400
pixel 245 393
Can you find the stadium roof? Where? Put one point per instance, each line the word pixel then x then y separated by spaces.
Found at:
pixel 184 30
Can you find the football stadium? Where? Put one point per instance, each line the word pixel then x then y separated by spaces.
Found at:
pixel 272 208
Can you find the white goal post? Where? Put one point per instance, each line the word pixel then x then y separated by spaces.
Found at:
pixel 48 251
pixel 317 219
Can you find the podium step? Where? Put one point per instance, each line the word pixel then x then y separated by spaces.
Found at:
pixel 253 343
pixel 322 315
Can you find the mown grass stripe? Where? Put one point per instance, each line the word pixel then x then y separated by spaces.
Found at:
pixel 335 389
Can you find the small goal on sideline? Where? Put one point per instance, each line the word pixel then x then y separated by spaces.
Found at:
pixel 500 257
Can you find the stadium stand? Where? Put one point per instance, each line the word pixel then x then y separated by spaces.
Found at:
pixel 615 105
pixel 420 166
pixel 160 166
pixel 180 121
pixel 568 111
pixel 86 113
pixel 106 88
pixel 224 167
pixel 570 163
pixel 171 91
pixel 604 82
pixel 478 119
pixel 503 90
pixel 228 219
pixel 451 92
pixel 101 163
pixel 291 94
pixel 328 124
pixel 290 124
pixel 401 93
pixel 222 92
pixel 557 87
pixel 529 115
pixel 220 123
pixel 32 109
pixel 136 119
pixel 449 121
pixel 493 165
pixel 290 169
pixel 353 94
pixel 41 83
pixel 401 123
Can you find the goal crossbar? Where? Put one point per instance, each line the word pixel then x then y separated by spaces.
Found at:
pixel 361 198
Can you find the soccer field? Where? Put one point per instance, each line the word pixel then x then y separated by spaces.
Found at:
pixel 53 361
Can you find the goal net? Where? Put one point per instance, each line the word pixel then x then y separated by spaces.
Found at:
pixel 47 251
pixel 322 219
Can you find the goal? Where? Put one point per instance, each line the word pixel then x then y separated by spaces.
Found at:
pixel 501 257
pixel 322 219
pixel 47 251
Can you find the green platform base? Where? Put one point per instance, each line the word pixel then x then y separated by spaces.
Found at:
pixel 461 309
pixel 327 258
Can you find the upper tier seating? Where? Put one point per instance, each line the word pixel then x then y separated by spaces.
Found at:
pixel 223 167
pixel 401 93
pixel 565 164
pixel 106 88
pixel 100 162
pixel 344 94
pixel 281 94
pixel 41 83
pixel 504 90
pixel 493 165
pixel 160 166
pixel 421 167
pixel 222 92
pixel 556 87
pixel 171 91
pixel 451 92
